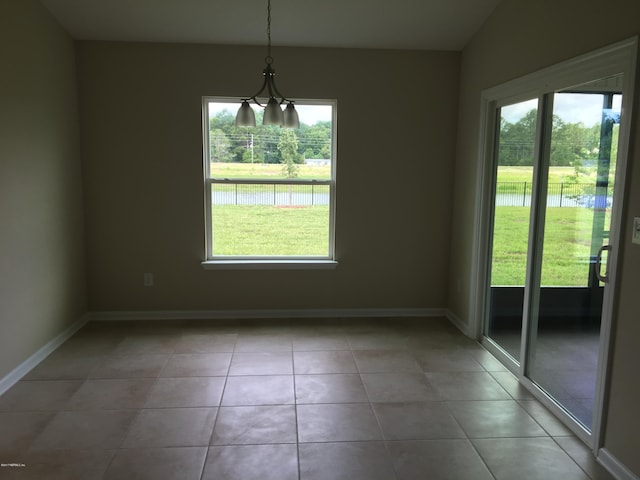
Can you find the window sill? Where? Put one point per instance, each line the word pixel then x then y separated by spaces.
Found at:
pixel 269 264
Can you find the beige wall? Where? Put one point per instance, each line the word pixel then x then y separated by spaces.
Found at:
pixel 41 242
pixel 141 143
pixel 521 37
pixel 142 152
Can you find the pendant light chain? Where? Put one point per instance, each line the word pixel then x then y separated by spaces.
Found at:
pixel 269 58
pixel 273 114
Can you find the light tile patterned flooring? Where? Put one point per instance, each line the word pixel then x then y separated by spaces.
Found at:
pixel 374 399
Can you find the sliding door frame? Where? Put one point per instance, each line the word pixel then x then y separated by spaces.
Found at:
pixel 616 59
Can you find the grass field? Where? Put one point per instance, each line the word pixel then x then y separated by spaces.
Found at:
pixel 270 230
pixel 566 250
pixel 567 247
pixel 267 171
pixel 525 174
pixel 304 231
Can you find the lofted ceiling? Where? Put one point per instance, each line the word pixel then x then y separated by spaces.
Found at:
pixel 390 24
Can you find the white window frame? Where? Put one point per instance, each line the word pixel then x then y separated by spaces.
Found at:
pixel 212 261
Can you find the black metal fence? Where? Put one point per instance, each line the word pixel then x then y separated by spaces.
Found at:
pixel 509 194
pixel 518 194
pixel 277 194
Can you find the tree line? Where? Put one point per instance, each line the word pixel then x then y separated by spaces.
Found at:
pixel 266 143
pixel 572 143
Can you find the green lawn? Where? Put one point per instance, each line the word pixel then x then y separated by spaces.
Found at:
pixel 566 251
pixel 267 171
pixel 270 230
pixel 304 231
pixel 525 174
pixel 256 230
pixel 565 260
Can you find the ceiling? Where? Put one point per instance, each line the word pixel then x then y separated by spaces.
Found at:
pixel 390 24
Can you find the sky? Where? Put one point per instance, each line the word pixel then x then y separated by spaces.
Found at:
pixel 570 107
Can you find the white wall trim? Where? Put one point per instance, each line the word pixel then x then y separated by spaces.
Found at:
pixel 615 466
pixel 268 313
pixel 30 363
pixel 459 323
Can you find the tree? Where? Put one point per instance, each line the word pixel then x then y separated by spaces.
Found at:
pixel 517 140
pixel 220 146
pixel 315 140
pixel 222 120
pixel 252 157
pixel 288 147
pixel 262 140
pixel 571 142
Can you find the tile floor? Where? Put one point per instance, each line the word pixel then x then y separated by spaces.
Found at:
pixel 384 399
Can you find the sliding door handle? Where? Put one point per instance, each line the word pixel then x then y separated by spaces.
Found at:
pixel 603 278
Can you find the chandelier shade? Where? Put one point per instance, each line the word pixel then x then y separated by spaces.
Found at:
pixel 291 118
pixel 273 114
pixel 245 116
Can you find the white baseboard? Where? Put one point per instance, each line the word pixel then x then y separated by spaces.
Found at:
pixel 265 314
pixel 615 466
pixel 30 363
pixel 457 321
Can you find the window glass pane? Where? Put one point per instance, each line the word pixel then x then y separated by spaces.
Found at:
pixel 259 152
pixel 566 311
pixel 580 185
pixel 514 179
pixel 257 230
pixel 512 211
pixel 270 187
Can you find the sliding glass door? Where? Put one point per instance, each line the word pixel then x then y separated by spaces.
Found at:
pixel 513 173
pixel 574 225
pixel 554 160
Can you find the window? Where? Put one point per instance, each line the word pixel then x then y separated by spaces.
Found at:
pixel 269 191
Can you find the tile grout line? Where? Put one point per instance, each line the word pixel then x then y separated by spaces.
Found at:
pixel 295 409
pixel 571 457
pixel 373 410
pixel 138 409
pixel 215 421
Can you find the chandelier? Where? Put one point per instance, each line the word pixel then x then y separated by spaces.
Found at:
pixel 273 114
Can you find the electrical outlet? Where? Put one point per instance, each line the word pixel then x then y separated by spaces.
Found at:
pixel 148 279
pixel 636 231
